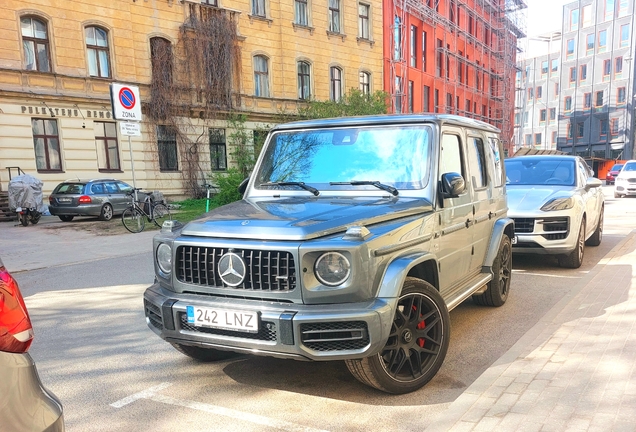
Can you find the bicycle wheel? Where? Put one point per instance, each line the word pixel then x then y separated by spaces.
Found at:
pixel 133 220
pixel 160 213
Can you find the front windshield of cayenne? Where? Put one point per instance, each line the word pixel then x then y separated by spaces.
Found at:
pixel 630 167
pixel 549 171
pixel 396 156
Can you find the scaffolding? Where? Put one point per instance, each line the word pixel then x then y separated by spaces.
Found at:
pixel 489 30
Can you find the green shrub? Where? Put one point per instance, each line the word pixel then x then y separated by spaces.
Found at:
pixel 227 185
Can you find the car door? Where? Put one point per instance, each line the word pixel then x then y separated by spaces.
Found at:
pixel 98 193
pixel 455 215
pixel 592 197
pixel 114 196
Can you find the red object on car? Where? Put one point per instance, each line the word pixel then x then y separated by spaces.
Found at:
pixel 16 332
pixel 84 199
pixel 611 174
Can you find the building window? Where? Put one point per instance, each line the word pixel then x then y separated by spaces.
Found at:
pixel 303 80
pixel 542 116
pixel 583 74
pixel 530 95
pixel 300 11
pixel 624 35
pixel 413 47
pixel 526 117
pixel 35 43
pixel 609 9
pixel 620 96
pixel 47 145
pixel 539 92
pixel 587 100
pixel 607 69
pixel 528 140
pixel 587 15
pixel 603 127
pixel 161 61
pixel 97 49
pixel 568 104
pixel 167 146
pixel 424 51
pixel 218 151
pixel 552 115
pixel 398 94
pixel 436 100
pixel 439 58
pixel 365 83
pixel 426 90
pixel 517 119
pixel 589 47
pixel 574 19
pixel 569 131
pixel 258 8
pixel 544 69
pixel 555 67
pixel 572 76
pixel 599 99
pixel 618 67
pixel 210 2
pixel 537 139
pixel 335 90
pixel 554 137
pixel 623 8
pixel 107 147
pixel 363 21
pixel 410 96
pixel 580 129
pixel 570 49
pixel 556 90
pixel 397 38
pixel 614 127
pixel 602 41
pixel 261 76
pixel 334 16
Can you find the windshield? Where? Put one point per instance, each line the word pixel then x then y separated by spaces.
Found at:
pixel 630 167
pixel 69 188
pixel 557 172
pixel 616 168
pixel 397 156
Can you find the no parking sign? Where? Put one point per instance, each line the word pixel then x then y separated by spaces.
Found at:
pixel 126 102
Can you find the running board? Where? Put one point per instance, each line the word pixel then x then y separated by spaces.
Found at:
pixel 477 284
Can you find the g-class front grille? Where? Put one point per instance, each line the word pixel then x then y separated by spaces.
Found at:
pixel 335 336
pixel 264 270
pixel 266 332
pixel 524 225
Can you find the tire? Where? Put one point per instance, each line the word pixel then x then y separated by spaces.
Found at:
pixel 497 292
pixel 106 213
pixel 35 217
pixel 575 258
pixel 24 219
pixel 597 237
pixel 204 354
pixel 133 220
pixel 616 195
pixel 160 213
pixel 417 344
pixel 66 218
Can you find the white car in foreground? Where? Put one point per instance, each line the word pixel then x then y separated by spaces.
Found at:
pixel 625 182
pixel 557 206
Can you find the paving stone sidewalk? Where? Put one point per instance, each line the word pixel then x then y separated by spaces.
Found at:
pixel 575 370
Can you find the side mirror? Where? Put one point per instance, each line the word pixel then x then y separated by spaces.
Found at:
pixel 243 186
pixel 453 185
pixel 592 182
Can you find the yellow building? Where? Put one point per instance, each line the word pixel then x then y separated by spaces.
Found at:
pixel 194 62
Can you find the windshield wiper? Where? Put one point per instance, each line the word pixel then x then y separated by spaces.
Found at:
pixel 393 191
pixel 313 190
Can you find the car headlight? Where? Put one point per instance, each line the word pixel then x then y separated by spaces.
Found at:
pixel 164 258
pixel 558 204
pixel 620 180
pixel 332 268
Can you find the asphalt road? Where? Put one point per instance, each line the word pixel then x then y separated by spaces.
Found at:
pixel 94 350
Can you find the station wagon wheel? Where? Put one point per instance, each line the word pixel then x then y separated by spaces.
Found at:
pixel 107 212
pixel 497 292
pixel 66 218
pixel 417 343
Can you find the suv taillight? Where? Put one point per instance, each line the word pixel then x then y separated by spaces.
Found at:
pixel 16 332
pixel 84 199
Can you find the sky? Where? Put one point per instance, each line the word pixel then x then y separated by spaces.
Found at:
pixel 543 16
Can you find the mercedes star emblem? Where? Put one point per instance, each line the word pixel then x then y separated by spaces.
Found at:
pixel 232 269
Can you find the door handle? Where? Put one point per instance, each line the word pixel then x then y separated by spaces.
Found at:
pixel 469 223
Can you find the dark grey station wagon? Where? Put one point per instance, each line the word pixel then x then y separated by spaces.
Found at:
pixel 353 240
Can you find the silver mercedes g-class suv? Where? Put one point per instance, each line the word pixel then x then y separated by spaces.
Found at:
pixel 354 239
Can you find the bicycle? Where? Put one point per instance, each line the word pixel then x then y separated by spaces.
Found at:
pixel 134 217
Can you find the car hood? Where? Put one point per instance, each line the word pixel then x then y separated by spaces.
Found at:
pixel 299 218
pixel 530 198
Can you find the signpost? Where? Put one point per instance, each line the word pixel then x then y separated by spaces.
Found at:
pixel 126 105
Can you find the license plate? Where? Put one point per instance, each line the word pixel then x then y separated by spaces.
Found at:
pixel 223 318
pixel 514 240
pixel 64 199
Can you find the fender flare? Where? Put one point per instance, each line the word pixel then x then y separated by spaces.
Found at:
pixel 504 226
pixel 395 273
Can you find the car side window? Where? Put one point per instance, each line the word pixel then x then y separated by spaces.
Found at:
pixel 111 188
pixel 477 162
pixel 124 187
pixel 97 188
pixel 451 156
pixel 498 179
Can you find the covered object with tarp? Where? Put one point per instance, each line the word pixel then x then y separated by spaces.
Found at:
pixel 25 191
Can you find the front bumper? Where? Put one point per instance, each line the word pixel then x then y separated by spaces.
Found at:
pixel 286 330
pixel 626 189
pixel 544 235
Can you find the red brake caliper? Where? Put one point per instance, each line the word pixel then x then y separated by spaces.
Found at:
pixel 420 326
